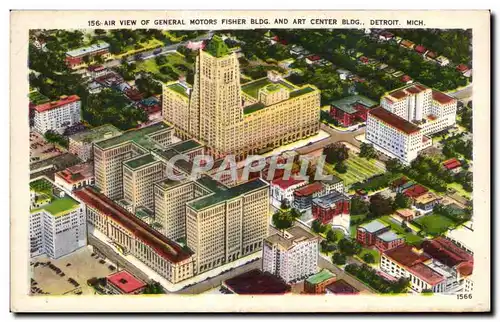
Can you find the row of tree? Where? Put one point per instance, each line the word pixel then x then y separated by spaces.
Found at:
pixel 370 276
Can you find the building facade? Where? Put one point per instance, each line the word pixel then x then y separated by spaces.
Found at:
pixel 57 115
pixel 231 119
pixel 317 283
pixel 366 234
pixel 86 55
pixel 75 177
pixel 327 207
pixel 228 223
pixel 303 197
pixel 293 255
pixel 393 134
pixel 57 221
pixel 80 144
pixel 131 235
pixel 282 190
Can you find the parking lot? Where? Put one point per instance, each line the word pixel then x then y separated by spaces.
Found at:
pixel 40 149
pixel 68 274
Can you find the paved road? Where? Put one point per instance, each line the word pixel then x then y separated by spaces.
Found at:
pixel 149 54
pixel 217 280
pixel 335 136
pixel 463 94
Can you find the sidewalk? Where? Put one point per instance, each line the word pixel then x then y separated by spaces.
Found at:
pixel 163 281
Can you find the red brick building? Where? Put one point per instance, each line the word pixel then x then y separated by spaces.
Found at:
pixel 366 234
pixel 388 240
pixel 333 204
pixel 352 109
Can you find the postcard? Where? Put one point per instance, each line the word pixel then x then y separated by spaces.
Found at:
pixel 250 161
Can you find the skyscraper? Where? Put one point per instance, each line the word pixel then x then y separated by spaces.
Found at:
pixel 240 120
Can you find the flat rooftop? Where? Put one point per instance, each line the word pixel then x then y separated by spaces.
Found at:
pixel 320 277
pixel 140 161
pixel 185 146
pixel 347 104
pixel 374 226
pixel 394 120
pixel 252 88
pixel 178 88
pixel 95 134
pixel 407 255
pixel 57 206
pixel 138 136
pixel 329 200
pixel 342 287
pixel 125 282
pixel 389 236
pixel 88 50
pixel 256 282
pixel 293 235
pixel 222 195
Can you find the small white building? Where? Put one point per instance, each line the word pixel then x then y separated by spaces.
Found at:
pixel 293 255
pixel 442 61
pixel 282 190
pixel 57 221
pixel 75 177
pixel 58 115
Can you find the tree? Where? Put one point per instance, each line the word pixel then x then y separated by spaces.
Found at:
pixel 336 153
pixel 285 204
pixel 394 165
pixel 401 201
pixel 331 236
pixel 327 246
pixel 339 258
pixel 154 288
pixel 367 151
pixel 341 167
pixel 282 220
pixel 369 258
pixel 349 247
pixel 359 206
pixel 380 206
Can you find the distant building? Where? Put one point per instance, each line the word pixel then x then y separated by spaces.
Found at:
pixel 80 144
pixel 57 221
pixel 407 44
pixel 256 282
pixel 385 36
pixel 333 184
pixel 452 165
pixel 292 255
pixel 302 197
pixel 351 109
pixel 443 61
pixel 57 115
pixel 75 177
pixel 463 237
pixel 366 234
pixel 406 215
pixel 80 57
pixel 317 283
pixel 326 207
pixel 282 189
pixel 341 287
pixel 426 201
pixel 124 283
pixel 420 49
pixel 313 59
pixel 96 71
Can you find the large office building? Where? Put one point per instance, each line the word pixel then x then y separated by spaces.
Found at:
pixel 57 221
pixel 291 255
pixel 240 120
pixel 132 236
pixel 227 223
pixel 432 111
pixel 80 144
pixel 394 135
pixel 57 115
pixel 80 57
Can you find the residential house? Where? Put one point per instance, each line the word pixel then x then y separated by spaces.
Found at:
pixel 442 61
pixel 452 165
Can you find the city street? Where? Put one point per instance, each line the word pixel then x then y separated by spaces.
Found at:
pixel 335 136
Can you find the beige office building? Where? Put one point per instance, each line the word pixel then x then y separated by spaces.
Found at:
pixel 131 236
pixel 228 223
pixel 110 154
pixel 233 119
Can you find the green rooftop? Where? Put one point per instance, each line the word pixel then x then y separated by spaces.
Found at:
pixel 37 98
pixel 176 87
pixel 105 131
pixel 346 104
pixel 320 277
pixel 139 136
pixel 252 88
pixel 59 206
pixel 302 91
pixel 253 108
pixel 140 161
pixel 42 186
pixel 185 146
pixel 222 194
pixel 217 47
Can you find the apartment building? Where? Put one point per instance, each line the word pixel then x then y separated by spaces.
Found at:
pixel 327 207
pixel 80 144
pixel 57 221
pixel 110 154
pixel 232 119
pixel 394 135
pixel 291 255
pixel 282 190
pixel 57 115
pixel 228 223
pixel 432 111
pixel 134 237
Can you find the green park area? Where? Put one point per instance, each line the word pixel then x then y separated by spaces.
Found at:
pixel 140 47
pixel 358 169
pixel 435 224
pixel 375 253
pixel 165 67
pixel 459 189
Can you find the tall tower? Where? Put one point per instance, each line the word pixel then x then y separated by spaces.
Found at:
pixel 215 101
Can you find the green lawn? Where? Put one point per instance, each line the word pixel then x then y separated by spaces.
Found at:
pixel 150 65
pixel 374 252
pixel 130 50
pixel 435 224
pixel 458 187
pixel 358 169
pixel 409 237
